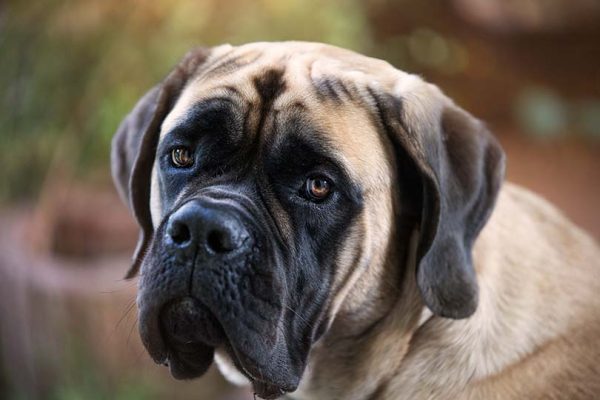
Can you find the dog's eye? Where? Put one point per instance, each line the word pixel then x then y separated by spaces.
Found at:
pixel 317 188
pixel 181 157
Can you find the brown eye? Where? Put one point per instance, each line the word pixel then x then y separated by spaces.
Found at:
pixel 318 188
pixel 181 157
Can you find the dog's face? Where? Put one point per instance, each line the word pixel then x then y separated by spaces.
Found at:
pixel 278 183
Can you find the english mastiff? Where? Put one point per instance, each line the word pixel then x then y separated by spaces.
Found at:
pixel 325 226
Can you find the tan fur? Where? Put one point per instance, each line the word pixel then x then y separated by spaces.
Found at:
pixel 536 332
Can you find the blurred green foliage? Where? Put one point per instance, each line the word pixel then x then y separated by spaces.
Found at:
pixel 86 380
pixel 542 113
pixel 71 70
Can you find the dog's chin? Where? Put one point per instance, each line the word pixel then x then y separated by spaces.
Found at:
pixel 191 333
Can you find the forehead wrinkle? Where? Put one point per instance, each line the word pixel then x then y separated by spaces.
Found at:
pixel 301 63
pixel 331 88
pixel 237 83
pixel 227 65
pixel 298 79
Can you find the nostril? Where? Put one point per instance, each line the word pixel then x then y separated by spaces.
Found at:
pixel 179 232
pixel 219 241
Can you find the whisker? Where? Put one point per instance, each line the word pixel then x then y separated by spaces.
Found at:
pixel 307 323
pixel 133 325
pixel 126 313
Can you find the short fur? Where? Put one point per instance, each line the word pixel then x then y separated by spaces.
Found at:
pixel 427 279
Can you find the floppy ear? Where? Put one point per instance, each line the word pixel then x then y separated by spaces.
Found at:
pixel 459 167
pixel 134 147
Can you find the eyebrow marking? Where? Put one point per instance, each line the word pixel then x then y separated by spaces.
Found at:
pixel 269 85
pixel 209 115
pixel 345 89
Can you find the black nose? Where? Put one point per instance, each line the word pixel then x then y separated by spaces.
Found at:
pixel 207 227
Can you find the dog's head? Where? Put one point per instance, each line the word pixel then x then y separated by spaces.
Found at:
pixel 269 179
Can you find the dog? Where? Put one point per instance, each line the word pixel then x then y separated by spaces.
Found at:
pixel 325 226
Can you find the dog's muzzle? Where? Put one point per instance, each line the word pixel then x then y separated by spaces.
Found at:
pixel 210 281
pixel 178 327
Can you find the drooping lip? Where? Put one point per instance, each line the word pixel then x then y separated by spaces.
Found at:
pixel 159 345
pixel 189 359
pixel 191 334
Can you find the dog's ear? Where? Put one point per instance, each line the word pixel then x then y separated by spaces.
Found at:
pixel 134 146
pixel 457 168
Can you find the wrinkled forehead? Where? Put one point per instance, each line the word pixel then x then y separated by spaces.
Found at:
pixel 289 71
pixel 329 86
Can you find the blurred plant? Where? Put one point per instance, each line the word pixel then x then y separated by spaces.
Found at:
pixel 70 71
pixel 543 113
pixel 425 48
pixel 587 117
pixel 81 378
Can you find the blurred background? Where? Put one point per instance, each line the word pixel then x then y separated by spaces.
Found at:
pixel 71 70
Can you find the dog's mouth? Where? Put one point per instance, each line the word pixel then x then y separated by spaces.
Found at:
pixel 190 333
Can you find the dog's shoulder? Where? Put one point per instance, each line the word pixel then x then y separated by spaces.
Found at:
pixel 530 230
pixel 531 253
pixel 540 276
